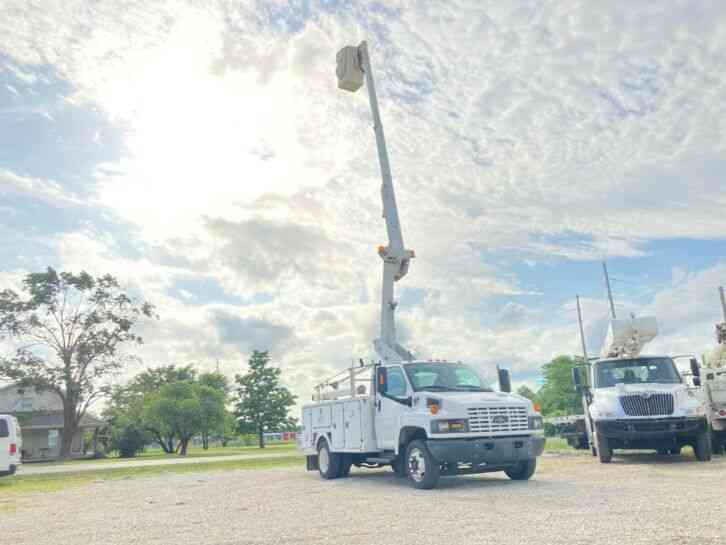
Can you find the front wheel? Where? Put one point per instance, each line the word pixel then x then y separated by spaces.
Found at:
pixel 523 470
pixel 702 447
pixel 328 462
pixel 399 465
pixel 604 452
pixel 422 469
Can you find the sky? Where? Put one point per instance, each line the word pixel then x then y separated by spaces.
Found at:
pixel 202 154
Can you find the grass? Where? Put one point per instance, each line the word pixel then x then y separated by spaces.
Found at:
pixel 12 488
pixel 559 446
pixel 194 452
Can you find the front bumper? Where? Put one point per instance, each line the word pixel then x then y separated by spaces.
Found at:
pixel 489 451
pixel 651 428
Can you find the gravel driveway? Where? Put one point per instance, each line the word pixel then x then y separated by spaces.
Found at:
pixel 572 499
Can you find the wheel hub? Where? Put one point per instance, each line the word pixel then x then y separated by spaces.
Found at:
pixel 416 465
pixel 323 460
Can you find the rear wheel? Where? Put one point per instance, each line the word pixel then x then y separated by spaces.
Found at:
pixel 422 469
pixel 345 463
pixel 702 447
pixel 328 462
pixel 523 470
pixel 604 452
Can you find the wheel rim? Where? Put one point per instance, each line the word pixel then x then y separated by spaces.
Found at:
pixel 323 460
pixel 416 465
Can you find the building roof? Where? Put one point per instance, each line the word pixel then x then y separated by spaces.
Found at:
pixel 41 421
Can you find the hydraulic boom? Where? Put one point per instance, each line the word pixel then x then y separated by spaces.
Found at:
pixel 353 64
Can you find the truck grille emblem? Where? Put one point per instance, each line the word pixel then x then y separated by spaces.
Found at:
pixel 500 419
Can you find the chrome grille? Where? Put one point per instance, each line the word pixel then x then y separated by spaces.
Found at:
pixel 647 405
pixel 497 419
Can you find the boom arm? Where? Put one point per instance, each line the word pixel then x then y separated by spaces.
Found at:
pixel 395 257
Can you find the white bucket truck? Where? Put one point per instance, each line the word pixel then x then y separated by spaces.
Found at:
pixel 641 402
pixel 424 418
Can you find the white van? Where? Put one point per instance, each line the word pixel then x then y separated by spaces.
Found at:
pixel 11 443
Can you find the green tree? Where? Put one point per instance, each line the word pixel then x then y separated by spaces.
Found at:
pixel 526 391
pixel 71 329
pixel 183 409
pixel 214 427
pixel 557 397
pixel 262 404
pixel 126 403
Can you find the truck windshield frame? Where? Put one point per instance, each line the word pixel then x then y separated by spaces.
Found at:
pixel 636 371
pixel 444 377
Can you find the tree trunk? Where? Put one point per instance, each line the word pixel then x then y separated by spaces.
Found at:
pixel 184 443
pixel 205 440
pixel 262 438
pixel 69 429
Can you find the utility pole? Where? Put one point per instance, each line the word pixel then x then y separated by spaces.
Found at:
pixel 582 331
pixel 610 291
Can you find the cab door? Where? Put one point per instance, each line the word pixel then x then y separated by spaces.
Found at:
pixel 390 407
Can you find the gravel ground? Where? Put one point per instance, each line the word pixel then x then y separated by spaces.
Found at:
pixel 572 499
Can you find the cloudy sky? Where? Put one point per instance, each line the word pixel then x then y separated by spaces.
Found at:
pixel 201 152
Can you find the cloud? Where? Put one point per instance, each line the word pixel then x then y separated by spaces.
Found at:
pixel 45 191
pixel 542 132
pixel 250 333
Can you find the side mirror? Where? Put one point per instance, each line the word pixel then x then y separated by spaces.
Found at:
pixel 381 380
pixel 694 368
pixel 577 378
pixel 696 381
pixel 505 380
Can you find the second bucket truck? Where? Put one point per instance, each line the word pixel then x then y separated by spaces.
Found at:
pixel 636 401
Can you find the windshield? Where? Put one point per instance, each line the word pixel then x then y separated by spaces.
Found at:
pixel 636 371
pixel 443 377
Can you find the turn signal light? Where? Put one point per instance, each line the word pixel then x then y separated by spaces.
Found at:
pixel 722 413
pixel 537 407
pixel 13 449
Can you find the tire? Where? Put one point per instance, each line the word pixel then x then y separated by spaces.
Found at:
pixel 717 446
pixel 604 452
pixel 702 447
pixel 328 462
pixel 422 470
pixel 399 465
pixel 523 471
pixel 345 463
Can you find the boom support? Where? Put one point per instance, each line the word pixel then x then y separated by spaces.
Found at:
pixel 395 257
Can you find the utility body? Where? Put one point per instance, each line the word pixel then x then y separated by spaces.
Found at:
pixel 423 418
pixel 11 444
pixel 634 401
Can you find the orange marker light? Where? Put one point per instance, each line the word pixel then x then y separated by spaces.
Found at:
pixel 537 407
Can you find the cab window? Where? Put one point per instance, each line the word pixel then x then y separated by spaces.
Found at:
pixel 396 382
pixel 4 429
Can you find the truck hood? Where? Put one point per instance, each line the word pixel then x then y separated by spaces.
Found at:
pixel 479 398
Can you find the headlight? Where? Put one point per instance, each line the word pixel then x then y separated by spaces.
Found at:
pixel 536 423
pixel 450 426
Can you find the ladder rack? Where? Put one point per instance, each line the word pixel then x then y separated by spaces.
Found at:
pixel 356 381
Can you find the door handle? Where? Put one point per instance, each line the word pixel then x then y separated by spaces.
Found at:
pixel 379 404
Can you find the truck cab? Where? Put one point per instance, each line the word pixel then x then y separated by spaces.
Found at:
pixel 11 443
pixel 425 419
pixel 642 402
